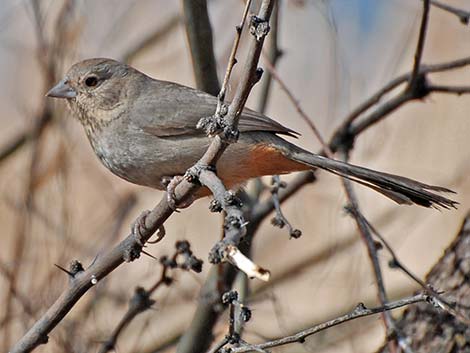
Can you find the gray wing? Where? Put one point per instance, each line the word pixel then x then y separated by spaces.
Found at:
pixel 168 109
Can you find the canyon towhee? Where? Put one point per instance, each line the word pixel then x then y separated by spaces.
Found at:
pixel 144 130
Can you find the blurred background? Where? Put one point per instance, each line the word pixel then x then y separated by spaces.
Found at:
pixel 58 203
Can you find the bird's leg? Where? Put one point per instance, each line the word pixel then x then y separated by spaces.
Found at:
pixel 138 227
pixel 171 182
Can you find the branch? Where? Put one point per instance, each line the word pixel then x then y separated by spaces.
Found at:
pixel 141 300
pixel 238 315
pixel 234 228
pixel 374 99
pixel 259 28
pixel 378 115
pixel 197 337
pixel 450 275
pixel 272 54
pixel 199 33
pixel 395 262
pixel 464 16
pixel 458 90
pixel 419 47
pixel 364 231
pixel 279 220
pixel 295 102
pixel 359 311
pixel 371 246
pixel 415 89
pixel 13 146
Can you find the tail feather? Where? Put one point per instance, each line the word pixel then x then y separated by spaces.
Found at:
pixel 399 189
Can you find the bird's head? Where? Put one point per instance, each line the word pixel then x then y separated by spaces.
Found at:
pixel 94 87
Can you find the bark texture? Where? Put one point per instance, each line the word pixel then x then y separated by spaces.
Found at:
pixel 429 329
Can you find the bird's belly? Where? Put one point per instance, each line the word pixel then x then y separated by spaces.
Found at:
pixel 145 160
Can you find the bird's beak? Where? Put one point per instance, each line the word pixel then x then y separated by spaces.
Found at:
pixel 62 90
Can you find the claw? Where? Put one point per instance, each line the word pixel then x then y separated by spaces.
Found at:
pixel 171 185
pixel 138 227
pixel 161 232
pixel 170 199
pixel 170 191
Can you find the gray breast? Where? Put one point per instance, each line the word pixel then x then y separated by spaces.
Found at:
pixel 142 158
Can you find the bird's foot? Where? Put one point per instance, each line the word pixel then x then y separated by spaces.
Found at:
pixel 170 191
pixel 139 229
pixel 171 183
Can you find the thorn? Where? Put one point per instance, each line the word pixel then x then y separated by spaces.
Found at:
pixel 149 255
pixel 66 271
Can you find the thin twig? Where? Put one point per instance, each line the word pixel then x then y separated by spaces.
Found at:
pixel 238 315
pixel 271 57
pixel 232 58
pixel 271 54
pixel 221 344
pixel 13 146
pixel 359 311
pixel 464 16
pixel 234 228
pixel 371 247
pixel 141 300
pixel 279 220
pixel 458 90
pixel 414 79
pixel 396 82
pixel 396 263
pixel 295 102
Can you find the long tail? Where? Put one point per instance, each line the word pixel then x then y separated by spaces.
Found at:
pixel 400 189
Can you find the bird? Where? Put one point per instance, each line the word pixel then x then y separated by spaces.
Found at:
pixel 144 130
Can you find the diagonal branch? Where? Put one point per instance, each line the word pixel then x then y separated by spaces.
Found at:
pixel 464 16
pixel 359 311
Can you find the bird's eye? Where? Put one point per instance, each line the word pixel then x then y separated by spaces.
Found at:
pixel 91 81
